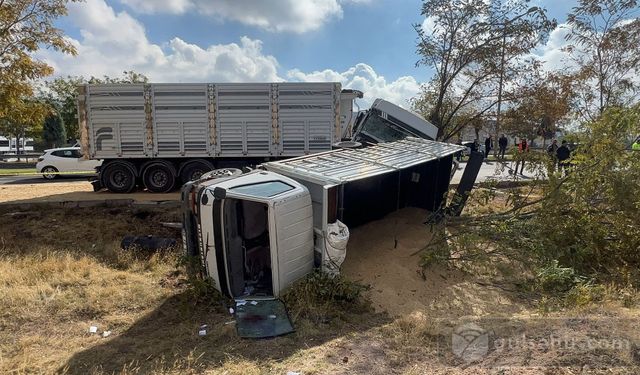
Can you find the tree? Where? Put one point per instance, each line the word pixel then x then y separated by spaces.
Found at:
pixel 25 119
pixel 606 47
pixel 53 131
pixel 461 47
pixel 544 100
pixel 25 27
pixel 61 92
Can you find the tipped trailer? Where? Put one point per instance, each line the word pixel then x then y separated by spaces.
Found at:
pixel 158 136
pixel 256 233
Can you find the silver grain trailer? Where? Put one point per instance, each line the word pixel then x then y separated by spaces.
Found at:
pixel 159 135
pixel 156 135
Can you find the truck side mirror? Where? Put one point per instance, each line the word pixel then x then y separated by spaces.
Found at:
pixel 219 193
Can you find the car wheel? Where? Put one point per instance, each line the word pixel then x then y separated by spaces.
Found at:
pixel 119 177
pixel 49 173
pixel 159 177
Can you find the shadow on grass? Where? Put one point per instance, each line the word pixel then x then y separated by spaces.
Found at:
pixel 167 340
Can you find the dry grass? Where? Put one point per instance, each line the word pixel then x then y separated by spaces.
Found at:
pixel 62 271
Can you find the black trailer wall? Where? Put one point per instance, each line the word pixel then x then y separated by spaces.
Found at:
pixel 423 186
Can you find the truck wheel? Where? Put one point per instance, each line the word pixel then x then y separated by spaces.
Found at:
pixel 193 170
pixel 159 177
pixel 119 177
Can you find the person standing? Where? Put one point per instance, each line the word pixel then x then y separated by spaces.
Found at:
pixel 523 148
pixel 488 146
pixel 502 143
pixel 563 154
pixel 552 151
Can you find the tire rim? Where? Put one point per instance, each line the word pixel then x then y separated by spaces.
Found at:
pixel 159 178
pixel 48 173
pixel 196 175
pixel 118 179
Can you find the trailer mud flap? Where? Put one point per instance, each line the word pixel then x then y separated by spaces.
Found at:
pixel 258 319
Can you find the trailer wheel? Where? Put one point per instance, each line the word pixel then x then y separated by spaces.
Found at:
pixel 119 177
pixel 193 170
pixel 159 177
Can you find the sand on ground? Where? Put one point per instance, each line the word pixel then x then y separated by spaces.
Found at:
pixel 386 255
pixel 71 192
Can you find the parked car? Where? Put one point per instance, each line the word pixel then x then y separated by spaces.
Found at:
pixel 64 160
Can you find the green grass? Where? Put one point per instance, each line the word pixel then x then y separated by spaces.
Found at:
pixel 11 172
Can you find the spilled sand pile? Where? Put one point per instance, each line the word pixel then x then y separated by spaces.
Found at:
pixel 385 254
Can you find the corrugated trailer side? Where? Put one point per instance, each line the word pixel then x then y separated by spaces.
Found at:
pixel 159 134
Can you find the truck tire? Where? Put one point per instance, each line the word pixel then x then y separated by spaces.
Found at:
pixel 119 177
pixel 159 177
pixel 194 169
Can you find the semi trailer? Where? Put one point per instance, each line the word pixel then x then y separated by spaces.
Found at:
pixel 157 136
pixel 254 234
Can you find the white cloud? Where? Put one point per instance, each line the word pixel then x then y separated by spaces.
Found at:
pixel 362 77
pixel 551 53
pixel 274 15
pixel 113 42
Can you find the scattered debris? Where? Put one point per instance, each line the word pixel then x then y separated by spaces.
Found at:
pixel 231 310
pixel 203 330
pixel 93 329
pixel 254 303
pixel 106 333
pixel 293 373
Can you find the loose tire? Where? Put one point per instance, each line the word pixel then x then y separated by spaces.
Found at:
pixel 193 170
pixel 159 177
pixel 119 177
pixel 49 173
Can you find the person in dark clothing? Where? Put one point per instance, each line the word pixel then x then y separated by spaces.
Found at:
pixel 475 146
pixel 523 148
pixel 488 145
pixel 563 154
pixel 502 143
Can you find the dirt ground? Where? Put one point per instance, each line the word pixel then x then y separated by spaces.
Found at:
pixel 70 191
pixel 62 271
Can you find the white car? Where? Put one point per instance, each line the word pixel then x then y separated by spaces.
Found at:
pixel 63 160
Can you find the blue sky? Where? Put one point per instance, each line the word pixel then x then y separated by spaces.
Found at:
pixel 366 44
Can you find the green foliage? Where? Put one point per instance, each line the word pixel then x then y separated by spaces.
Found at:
pixel 61 92
pixel 320 296
pixel 26 26
pixel 201 288
pixel 555 278
pixel 575 230
pixel 53 131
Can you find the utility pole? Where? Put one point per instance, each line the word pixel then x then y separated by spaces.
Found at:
pixel 500 83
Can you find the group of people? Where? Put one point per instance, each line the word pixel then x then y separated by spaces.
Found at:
pixel 559 154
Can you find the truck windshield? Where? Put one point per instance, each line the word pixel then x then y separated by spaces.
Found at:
pixel 382 130
pixel 263 189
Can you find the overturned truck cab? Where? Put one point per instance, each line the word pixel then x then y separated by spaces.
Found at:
pixel 256 233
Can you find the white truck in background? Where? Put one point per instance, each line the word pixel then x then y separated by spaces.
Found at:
pixel 158 136
pixel 254 234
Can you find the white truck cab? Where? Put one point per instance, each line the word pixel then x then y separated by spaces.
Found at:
pixel 258 233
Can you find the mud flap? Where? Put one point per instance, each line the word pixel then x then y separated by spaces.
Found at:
pixel 258 319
